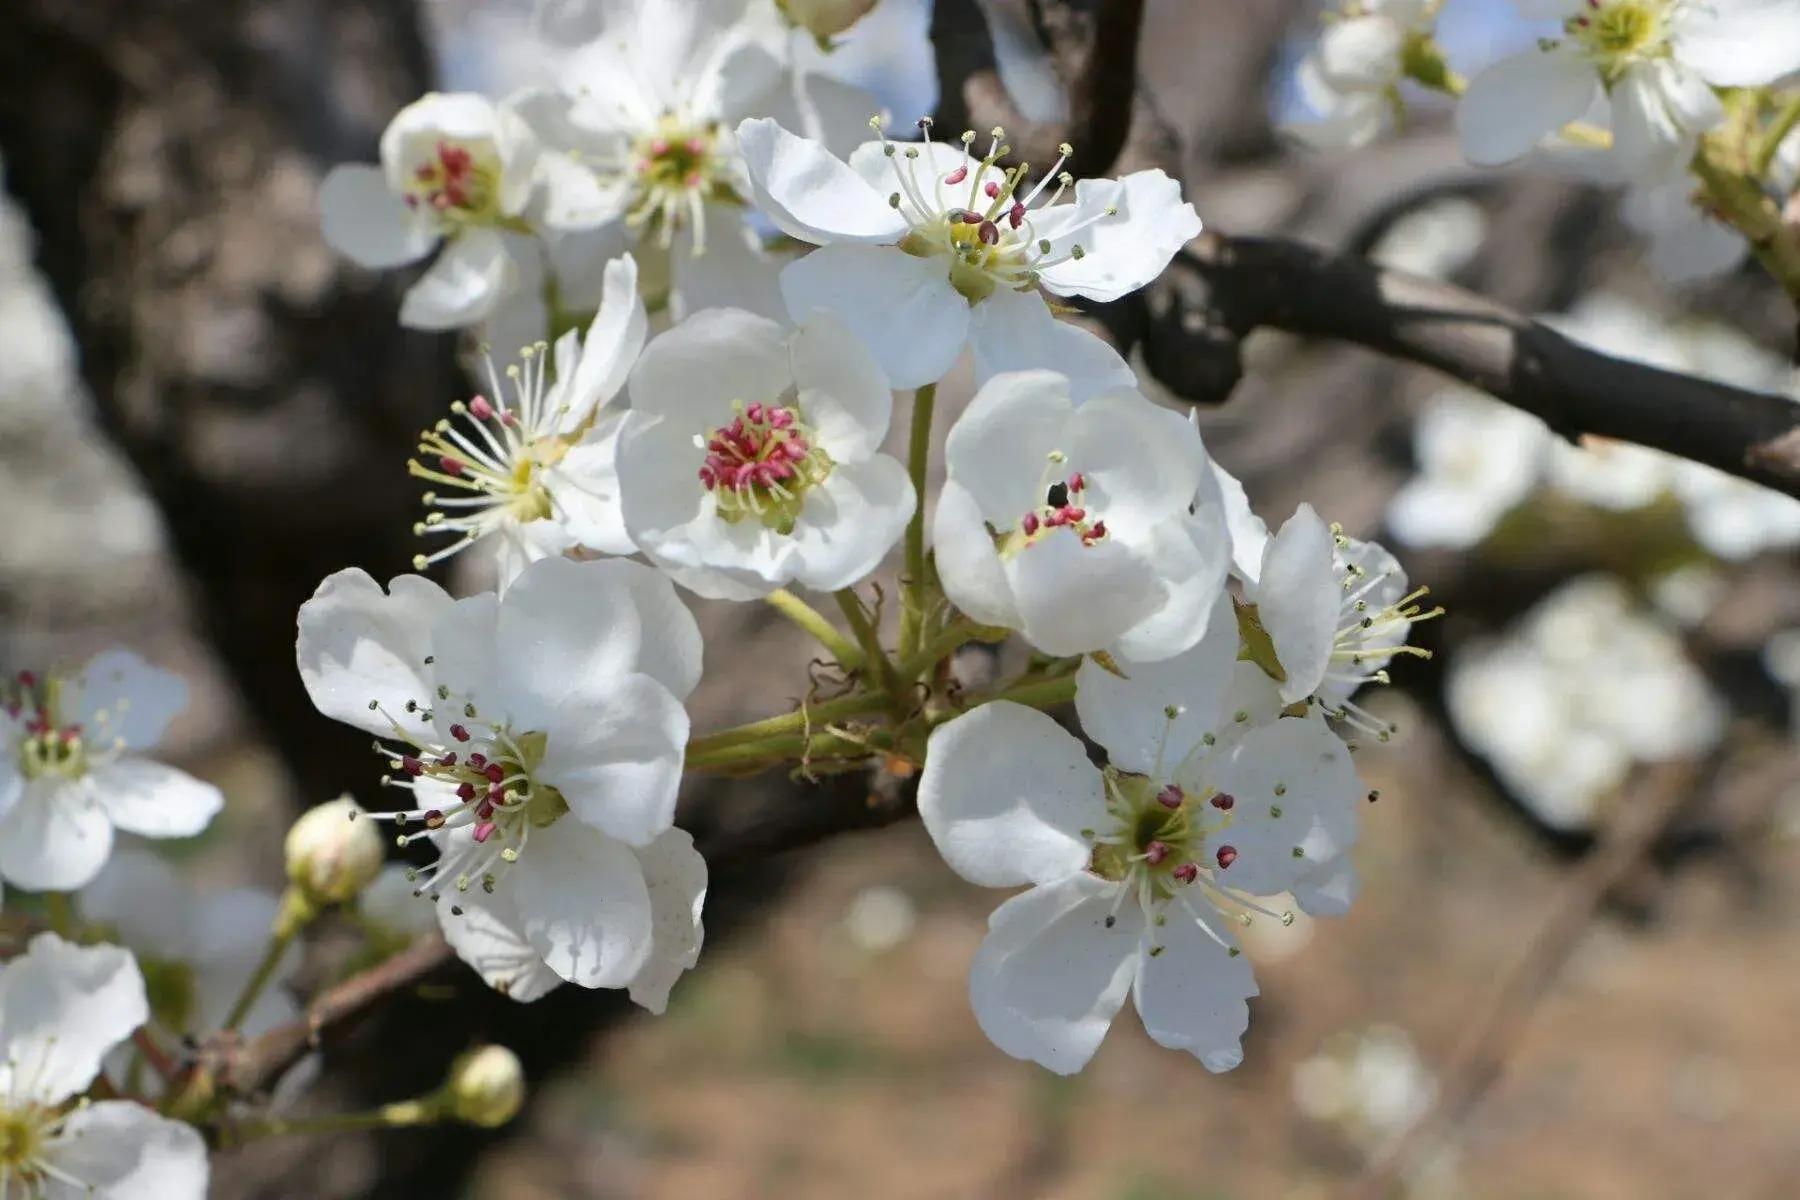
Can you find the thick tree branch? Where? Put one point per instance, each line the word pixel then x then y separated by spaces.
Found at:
pixel 1191 324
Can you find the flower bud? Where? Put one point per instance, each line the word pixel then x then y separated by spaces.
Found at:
pixel 486 1086
pixel 333 852
pixel 825 19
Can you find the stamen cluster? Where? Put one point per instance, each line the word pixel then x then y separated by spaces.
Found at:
pixel 762 464
pixel 455 185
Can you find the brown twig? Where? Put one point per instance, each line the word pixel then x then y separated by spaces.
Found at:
pixel 1629 840
pixel 1192 323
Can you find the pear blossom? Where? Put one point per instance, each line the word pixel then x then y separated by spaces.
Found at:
pixel 927 248
pixel 641 129
pixel 72 769
pixel 1079 526
pixel 331 855
pixel 1656 61
pixel 195 948
pixel 1327 613
pixel 534 475
pixel 1210 804
pixel 541 736
pixel 749 458
pixel 62 1009
pixel 1477 460
pixel 456 169
pixel 1580 688
pixel 1351 78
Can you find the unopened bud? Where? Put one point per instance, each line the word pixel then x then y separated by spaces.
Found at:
pixel 826 19
pixel 333 852
pixel 486 1087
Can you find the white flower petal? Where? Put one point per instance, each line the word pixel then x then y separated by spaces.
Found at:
pixel 1297 598
pixel 62 1007
pixel 1191 996
pixel 676 876
pixel 416 130
pixel 1249 535
pixel 462 644
pixel 734 269
pixel 1075 598
pixel 967 562
pixel 843 393
pixel 694 372
pixel 1130 248
pixel 1005 794
pixel 1129 716
pixel 901 307
pixel 1738 43
pixel 1361 53
pixel 999 448
pixel 364 220
pixel 359 644
pixel 1519 101
pixel 120 1150
pixel 608 352
pixel 124 698
pixel 484 928
pixel 1143 463
pixel 1193 555
pixel 55 838
pixel 1295 789
pixel 618 762
pixel 810 193
pixel 850 522
pixel 465 284
pixel 584 490
pixel 1050 975
pixel 1328 889
pixel 584 905
pixel 1014 331
pixel 1658 113
pixel 149 799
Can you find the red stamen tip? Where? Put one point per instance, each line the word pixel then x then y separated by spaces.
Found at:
pixel 1226 856
pixel 1223 801
pixel 1171 797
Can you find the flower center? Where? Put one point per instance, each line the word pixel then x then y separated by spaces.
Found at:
pixel 1614 33
pixel 481 781
pixel 458 184
pixel 1158 837
pixel 987 233
pixel 50 746
pixel 678 168
pixel 494 467
pixel 21 1142
pixel 1064 507
pixel 762 465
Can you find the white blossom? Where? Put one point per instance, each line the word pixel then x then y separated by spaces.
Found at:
pixel 1334 610
pixel 458 169
pixel 1476 460
pixel 1138 871
pixel 1077 525
pixel 72 769
pixel 1350 80
pixel 541 736
pixel 62 1009
pixel 1657 62
pixel 331 854
pixel 533 473
pixel 749 458
pixel 1582 687
pixel 927 248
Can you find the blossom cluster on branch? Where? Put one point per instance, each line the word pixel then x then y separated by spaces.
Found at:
pixel 697 272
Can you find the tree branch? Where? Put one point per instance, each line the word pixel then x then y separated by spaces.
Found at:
pixel 1191 324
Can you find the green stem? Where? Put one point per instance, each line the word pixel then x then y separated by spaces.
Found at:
pixel 61 910
pixel 1040 693
pixel 406 1114
pixel 1786 117
pixel 294 915
pixel 918 457
pixel 847 653
pixel 812 716
pixel 936 649
pixel 851 606
pixel 1738 199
